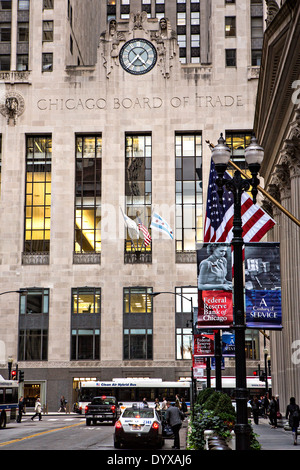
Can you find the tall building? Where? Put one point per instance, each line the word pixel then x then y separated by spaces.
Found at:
pixel 277 121
pixel 106 108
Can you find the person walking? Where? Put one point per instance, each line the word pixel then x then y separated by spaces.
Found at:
pixel 255 410
pixel 62 407
pixel 273 408
pixel 21 409
pixel 174 417
pixel 38 410
pixel 293 415
pixel 265 404
pixel 164 405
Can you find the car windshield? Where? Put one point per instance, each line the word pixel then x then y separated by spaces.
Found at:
pixel 104 401
pixel 136 413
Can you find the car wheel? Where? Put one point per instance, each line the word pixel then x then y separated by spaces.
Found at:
pixel 88 422
pixel 117 445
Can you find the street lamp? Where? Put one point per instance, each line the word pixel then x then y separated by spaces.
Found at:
pixel 237 185
pixel 154 294
pixel 20 291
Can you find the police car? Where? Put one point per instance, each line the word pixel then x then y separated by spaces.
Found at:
pixel 138 425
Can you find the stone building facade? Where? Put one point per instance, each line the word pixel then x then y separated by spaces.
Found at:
pixel 93 131
pixel 277 121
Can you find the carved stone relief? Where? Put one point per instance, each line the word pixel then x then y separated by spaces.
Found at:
pixel 161 34
pixel 12 107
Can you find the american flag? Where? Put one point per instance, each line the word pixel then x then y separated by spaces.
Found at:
pixel 219 216
pixel 147 237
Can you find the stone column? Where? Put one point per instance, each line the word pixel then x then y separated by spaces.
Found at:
pixel 293 161
pixel 276 337
pixel 280 346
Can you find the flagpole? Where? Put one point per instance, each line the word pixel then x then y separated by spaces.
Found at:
pixel 263 191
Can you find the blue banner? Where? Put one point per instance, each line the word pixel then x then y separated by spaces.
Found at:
pixel 262 286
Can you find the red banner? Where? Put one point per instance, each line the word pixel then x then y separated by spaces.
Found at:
pixel 215 309
pixel 204 345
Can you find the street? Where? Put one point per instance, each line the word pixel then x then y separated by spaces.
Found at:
pixel 58 432
pixel 62 431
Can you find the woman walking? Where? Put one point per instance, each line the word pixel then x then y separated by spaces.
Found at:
pixel 293 415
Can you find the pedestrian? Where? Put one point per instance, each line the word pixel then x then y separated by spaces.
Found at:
pixel 62 404
pixel 21 409
pixel 144 403
pixel 183 406
pixel 157 404
pixel 255 410
pixel 265 404
pixel 293 415
pixel 174 417
pixel 273 408
pixel 38 410
pixel 177 401
pixel 164 404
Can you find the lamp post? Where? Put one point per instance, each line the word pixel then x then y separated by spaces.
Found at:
pixel 154 294
pixel 238 185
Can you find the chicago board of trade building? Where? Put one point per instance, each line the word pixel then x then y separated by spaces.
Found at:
pixel 96 127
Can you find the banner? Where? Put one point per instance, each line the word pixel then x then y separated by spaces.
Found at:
pixel 228 344
pixel 204 345
pixel 262 286
pixel 214 274
pixel 199 364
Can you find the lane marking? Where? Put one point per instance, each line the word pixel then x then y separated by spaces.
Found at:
pixel 13 441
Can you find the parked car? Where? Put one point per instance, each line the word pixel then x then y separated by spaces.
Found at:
pixel 138 426
pixel 102 409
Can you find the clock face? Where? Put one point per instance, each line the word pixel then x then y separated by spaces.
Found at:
pixel 138 56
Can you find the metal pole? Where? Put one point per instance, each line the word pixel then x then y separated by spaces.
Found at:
pixel 218 361
pixel 208 369
pixel 242 428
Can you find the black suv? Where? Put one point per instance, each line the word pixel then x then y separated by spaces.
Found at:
pixel 102 409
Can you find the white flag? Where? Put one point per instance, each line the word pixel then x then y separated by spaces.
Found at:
pixel 133 229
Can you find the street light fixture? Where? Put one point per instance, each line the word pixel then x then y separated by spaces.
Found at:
pixel 237 185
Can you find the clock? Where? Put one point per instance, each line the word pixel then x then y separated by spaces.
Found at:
pixel 138 56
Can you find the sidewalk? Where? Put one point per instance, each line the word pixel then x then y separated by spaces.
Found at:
pixel 273 439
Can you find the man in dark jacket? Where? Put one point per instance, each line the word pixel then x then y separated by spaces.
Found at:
pixel 174 417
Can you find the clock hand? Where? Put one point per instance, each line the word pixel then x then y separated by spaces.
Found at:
pixel 137 56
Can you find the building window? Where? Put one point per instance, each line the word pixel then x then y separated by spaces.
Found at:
pixel 23 4
pixel 230 57
pixel 237 141
pixel 183 321
pixel 5 5
pixel 252 344
pixel 33 325
pixel 4 62
pixel 48 31
pixel 85 337
pixel 38 194
pixel 230 26
pixel 23 32
pixel 34 301
pixel 48 4
pixel 88 194
pixel 86 300
pixel 138 189
pixel 188 191
pixel 22 62
pixel 5 32
pixel 137 323
pixel 257 31
pixel 47 62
